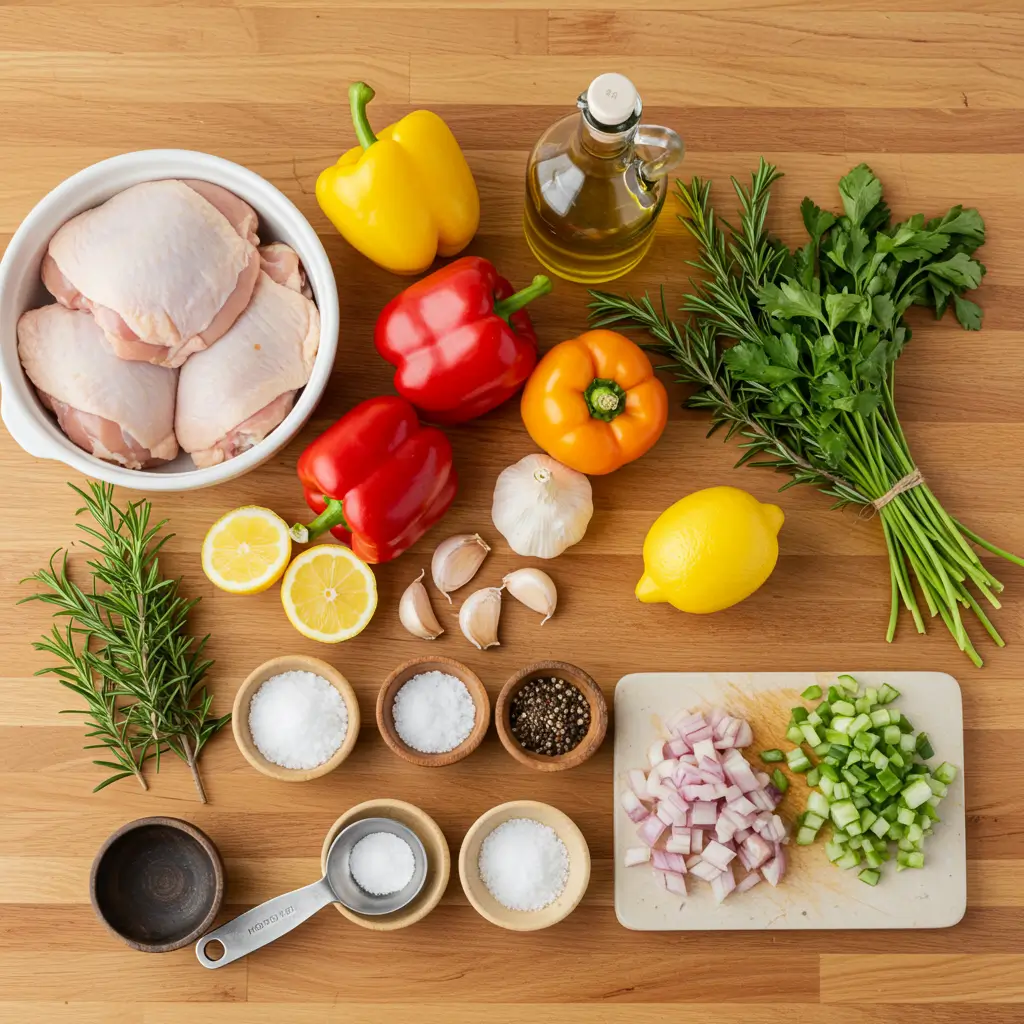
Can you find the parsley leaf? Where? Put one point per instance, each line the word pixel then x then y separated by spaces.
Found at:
pixel 959 270
pixel 968 313
pixel 860 192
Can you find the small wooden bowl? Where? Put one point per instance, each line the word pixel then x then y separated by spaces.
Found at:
pixel 157 884
pixel 246 692
pixel 438 861
pixel 585 684
pixel 398 678
pixel 524 920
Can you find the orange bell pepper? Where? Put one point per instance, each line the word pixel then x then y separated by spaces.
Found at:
pixel 594 404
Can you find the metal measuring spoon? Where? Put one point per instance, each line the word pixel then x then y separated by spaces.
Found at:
pixel 269 921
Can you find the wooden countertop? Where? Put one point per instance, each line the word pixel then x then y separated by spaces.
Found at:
pixel 931 93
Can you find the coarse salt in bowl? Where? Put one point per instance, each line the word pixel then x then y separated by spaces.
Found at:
pixel 35 429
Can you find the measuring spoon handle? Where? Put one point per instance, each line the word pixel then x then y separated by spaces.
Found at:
pixel 266 923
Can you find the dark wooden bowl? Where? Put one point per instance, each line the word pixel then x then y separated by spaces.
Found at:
pixel 398 678
pixel 157 883
pixel 585 684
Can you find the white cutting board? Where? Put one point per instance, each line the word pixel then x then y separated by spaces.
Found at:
pixel 814 893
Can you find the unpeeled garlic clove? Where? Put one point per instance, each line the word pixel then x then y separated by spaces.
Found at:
pixel 456 561
pixel 415 612
pixel 478 617
pixel 534 588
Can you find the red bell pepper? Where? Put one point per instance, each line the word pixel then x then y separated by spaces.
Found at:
pixel 377 478
pixel 460 339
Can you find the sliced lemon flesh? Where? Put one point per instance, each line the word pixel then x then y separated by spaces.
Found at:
pixel 329 594
pixel 247 550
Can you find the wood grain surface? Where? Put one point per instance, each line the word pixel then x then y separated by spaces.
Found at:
pixel 931 93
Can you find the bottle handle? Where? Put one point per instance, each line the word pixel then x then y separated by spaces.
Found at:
pixel 671 152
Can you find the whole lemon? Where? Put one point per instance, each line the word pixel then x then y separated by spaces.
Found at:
pixel 710 550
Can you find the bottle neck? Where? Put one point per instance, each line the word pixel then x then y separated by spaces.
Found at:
pixel 604 145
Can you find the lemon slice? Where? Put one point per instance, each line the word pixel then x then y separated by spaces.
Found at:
pixel 246 550
pixel 329 594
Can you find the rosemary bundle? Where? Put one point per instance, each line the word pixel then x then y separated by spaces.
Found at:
pixel 795 353
pixel 123 646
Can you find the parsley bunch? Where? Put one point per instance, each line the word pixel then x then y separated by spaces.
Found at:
pixel 795 352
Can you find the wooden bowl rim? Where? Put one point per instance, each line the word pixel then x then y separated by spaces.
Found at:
pixel 208 847
pixel 590 743
pixel 434 843
pixel 255 679
pixel 401 675
pixel 579 865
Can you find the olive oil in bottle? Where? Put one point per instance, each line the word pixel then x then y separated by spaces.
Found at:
pixel 595 184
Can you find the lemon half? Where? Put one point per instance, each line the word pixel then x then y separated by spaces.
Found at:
pixel 246 550
pixel 329 594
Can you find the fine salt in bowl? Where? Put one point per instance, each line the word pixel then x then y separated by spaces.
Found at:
pixel 386 719
pixel 524 920
pixel 248 689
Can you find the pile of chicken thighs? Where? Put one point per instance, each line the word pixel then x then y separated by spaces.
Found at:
pixel 172 328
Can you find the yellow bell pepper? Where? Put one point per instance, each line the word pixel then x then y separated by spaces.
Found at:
pixel 403 196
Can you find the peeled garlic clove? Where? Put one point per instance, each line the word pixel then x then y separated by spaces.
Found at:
pixel 478 617
pixel 415 612
pixel 456 561
pixel 534 588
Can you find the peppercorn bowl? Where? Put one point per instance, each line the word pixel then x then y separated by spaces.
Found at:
pixel 386 718
pixel 248 689
pixel 590 741
pixel 486 905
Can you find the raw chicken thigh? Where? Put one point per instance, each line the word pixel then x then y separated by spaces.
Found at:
pixel 166 267
pixel 233 394
pixel 282 263
pixel 117 410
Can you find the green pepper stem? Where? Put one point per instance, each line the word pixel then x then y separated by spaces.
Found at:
pixel 359 94
pixel 605 399
pixel 539 286
pixel 331 516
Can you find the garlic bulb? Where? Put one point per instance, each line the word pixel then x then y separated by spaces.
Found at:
pixel 478 617
pixel 541 507
pixel 415 612
pixel 456 561
pixel 534 588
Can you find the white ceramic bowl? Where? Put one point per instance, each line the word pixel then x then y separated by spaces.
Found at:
pixel 33 427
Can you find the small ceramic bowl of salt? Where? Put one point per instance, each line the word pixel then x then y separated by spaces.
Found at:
pixel 433 711
pixel 524 865
pixel 295 718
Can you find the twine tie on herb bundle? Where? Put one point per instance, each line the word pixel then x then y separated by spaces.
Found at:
pixel 905 483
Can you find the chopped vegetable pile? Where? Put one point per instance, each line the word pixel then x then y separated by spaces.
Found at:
pixel 869 779
pixel 702 806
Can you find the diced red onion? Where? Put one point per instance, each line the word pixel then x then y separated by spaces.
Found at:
pixel 656 753
pixel 705 749
pixel 696 840
pixel 701 735
pixel 678 844
pixel 674 882
pixel 705 871
pixel 745 736
pixel 748 883
pixel 725 829
pixel 663 769
pixel 676 746
pixel 758 851
pixel 668 861
pixel 741 805
pixel 638 783
pixel 719 855
pixel 703 814
pixel 650 830
pixel 637 855
pixel 632 806
pixel 740 834
pixel 723 884
pixel 774 870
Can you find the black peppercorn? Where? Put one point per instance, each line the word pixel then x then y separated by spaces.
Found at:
pixel 549 716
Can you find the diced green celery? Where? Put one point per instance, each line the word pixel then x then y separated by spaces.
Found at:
pixel 840 791
pixel 798 760
pixel 834 850
pixel 815 821
pixel 887 694
pixel 891 734
pixel 916 794
pixel 860 801
pixel 772 755
pixel 780 780
pixel 799 715
pixel 946 773
pixel 805 835
pixel 849 776
pixel 923 746
pixel 890 780
pixel 912 859
pixel 915 833
pixel 896 830
pixel 906 845
pixel 865 741
pixel 879 760
pixel 813 719
pixel 858 773
pixel 825 784
pixel 838 751
pixel 930 811
pixel 794 735
pixel 856 842
pixel 810 734
pixel 879 718
pixel 859 724
pixel 848 683
pixel 813 692
pixel 828 772
pixel 822 749
pixel 868 818
pixel 863 706
pixel 905 816
pixel 891 811
pixel 813 777
pixel 850 859
pixel 939 789
pixel 841 723
pixel 897 759
pixel 840 838
pixel 871 693
pixel 869 876
pixel 905 724
pixel 843 812
pixel 843 708
pixel 834 695
pixel 880 827
pixel 873 859
pixel 907 743
pixel 817 803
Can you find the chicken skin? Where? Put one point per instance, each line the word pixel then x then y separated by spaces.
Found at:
pixel 118 410
pixel 165 267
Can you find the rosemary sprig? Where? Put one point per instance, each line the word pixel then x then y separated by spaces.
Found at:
pixel 125 648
